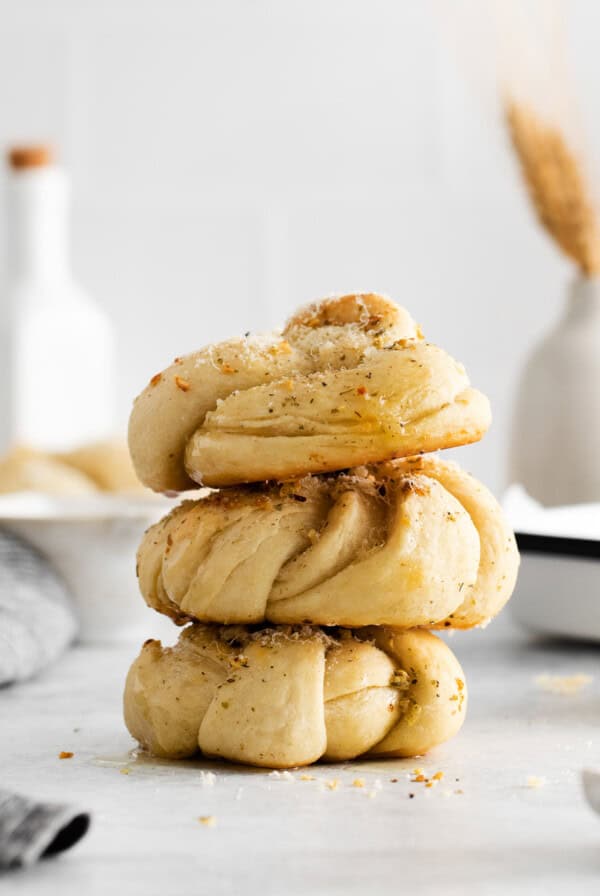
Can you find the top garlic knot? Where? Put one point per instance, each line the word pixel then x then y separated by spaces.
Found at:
pixel 349 381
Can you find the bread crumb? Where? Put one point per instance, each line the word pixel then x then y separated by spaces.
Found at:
pixel 124 770
pixel 535 782
pixel 307 777
pixel 65 754
pixel 209 821
pixel 281 348
pixel 358 782
pixel 334 784
pixel 566 685
pixel 438 776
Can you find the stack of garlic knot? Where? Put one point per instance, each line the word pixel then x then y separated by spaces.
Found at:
pixel 330 545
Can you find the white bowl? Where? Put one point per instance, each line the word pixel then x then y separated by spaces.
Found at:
pixel 91 542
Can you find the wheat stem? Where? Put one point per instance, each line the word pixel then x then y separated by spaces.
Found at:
pixel 556 185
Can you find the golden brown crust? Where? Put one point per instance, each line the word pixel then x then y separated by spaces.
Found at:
pixel 285 697
pixel 368 310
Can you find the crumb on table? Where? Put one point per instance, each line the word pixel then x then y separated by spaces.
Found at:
pixel 562 684
pixel 535 781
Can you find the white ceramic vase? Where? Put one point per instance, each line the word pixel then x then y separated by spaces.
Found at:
pixel 555 450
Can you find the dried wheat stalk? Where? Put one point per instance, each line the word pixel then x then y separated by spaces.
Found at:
pixel 556 184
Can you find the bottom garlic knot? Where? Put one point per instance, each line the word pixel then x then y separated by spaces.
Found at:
pixel 289 695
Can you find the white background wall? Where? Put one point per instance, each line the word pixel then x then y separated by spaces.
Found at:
pixel 233 159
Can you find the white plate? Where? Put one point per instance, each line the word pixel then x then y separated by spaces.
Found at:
pixel 92 543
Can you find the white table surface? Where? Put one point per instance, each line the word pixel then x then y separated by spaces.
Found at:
pixel 274 835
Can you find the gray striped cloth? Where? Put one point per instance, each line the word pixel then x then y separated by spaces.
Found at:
pixel 37 621
pixel 36 625
pixel 31 830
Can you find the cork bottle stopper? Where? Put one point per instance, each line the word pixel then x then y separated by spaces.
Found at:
pixel 30 156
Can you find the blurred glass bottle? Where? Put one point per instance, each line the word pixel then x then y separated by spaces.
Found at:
pixel 57 345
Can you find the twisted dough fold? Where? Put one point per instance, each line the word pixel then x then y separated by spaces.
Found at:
pixel 499 555
pixel 286 697
pixel 407 543
pixel 349 382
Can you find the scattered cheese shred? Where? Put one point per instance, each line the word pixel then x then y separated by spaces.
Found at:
pixel 207 779
pixel 285 775
pixel 535 782
pixel 209 821
pixel 562 684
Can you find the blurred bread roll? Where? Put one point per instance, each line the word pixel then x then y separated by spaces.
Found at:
pixel 106 463
pixel 285 697
pixel 26 470
pixel 100 466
